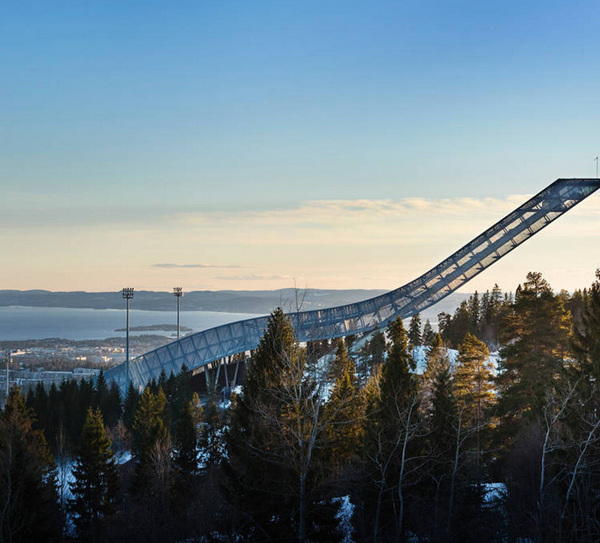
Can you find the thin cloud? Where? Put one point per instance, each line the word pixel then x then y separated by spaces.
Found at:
pixel 172 265
pixel 253 277
pixel 319 213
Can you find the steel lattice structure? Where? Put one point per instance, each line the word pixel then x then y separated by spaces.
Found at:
pixel 202 348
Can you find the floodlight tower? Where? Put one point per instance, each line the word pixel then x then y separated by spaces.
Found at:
pixel 128 295
pixel 8 361
pixel 178 293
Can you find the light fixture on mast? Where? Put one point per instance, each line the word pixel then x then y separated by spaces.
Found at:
pixel 127 295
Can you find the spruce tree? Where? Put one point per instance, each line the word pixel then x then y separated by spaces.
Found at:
pixel 428 333
pixel 474 314
pixel 96 476
pixel 535 334
pixel 444 442
pixel 374 352
pixel 100 393
pixel 130 406
pixel 113 409
pixel 211 439
pixel 182 394
pixel 414 331
pixel 437 358
pixel 392 427
pixel 254 469
pixel 454 328
pixel 341 362
pixel 275 432
pixel 437 362
pixel 473 381
pixel 491 315
pixel 149 432
pixel 586 332
pixel 397 369
pixel 443 414
pixel 28 497
pixel 186 443
pixel 343 411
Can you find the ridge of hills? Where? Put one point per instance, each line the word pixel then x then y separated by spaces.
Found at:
pixel 229 301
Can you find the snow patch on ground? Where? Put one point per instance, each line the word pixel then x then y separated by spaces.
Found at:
pixel 225 402
pixel 344 517
pixel 359 344
pixel 420 353
pixel 64 476
pixel 122 457
pixel 493 493
pixel 494 360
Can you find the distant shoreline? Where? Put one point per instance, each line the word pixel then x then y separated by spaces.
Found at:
pixel 156 328
pixel 223 301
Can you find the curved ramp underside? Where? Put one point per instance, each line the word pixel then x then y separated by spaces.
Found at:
pixel 201 348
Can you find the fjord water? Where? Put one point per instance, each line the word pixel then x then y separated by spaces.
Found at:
pixel 22 323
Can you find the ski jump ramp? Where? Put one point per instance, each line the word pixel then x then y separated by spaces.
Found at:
pixel 201 348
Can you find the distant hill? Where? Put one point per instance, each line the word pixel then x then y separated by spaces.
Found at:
pixel 229 301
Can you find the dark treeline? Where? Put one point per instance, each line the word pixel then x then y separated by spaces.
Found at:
pixel 310 451
pixel 481 316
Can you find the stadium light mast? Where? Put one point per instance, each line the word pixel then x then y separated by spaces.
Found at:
pixel 8 361
pixel 178 293
pixel 127 295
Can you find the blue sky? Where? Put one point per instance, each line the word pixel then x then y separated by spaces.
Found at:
pixel 121 120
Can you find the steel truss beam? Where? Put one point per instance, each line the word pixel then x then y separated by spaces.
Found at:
pixel 199 349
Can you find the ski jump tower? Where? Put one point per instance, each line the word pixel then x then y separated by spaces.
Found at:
pixel 202 348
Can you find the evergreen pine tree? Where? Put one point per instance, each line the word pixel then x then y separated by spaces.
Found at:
pixel 459 324
pixel 577 306
pixel 491 316
pixel 586 332
pixel 473 381
pixel 211 436
pixel 392 427
pixel 100 394
pixel 374 353
pixel 28 498
pixel 437 358
pixel 344 410
pixel 186 444
pixel 474 314
pixel 437 362
pixel 253 444
pixel 273 439
pixel 414 331
pixel 444 442
pixel 162 382
pixel 130 406
pixel 96 476
pixel 443 414
pixel 444 324
pixel 341 362
pixel 535 334
pixel 83 397
pixel 149 430
pixel 428 333
pixel 112 407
